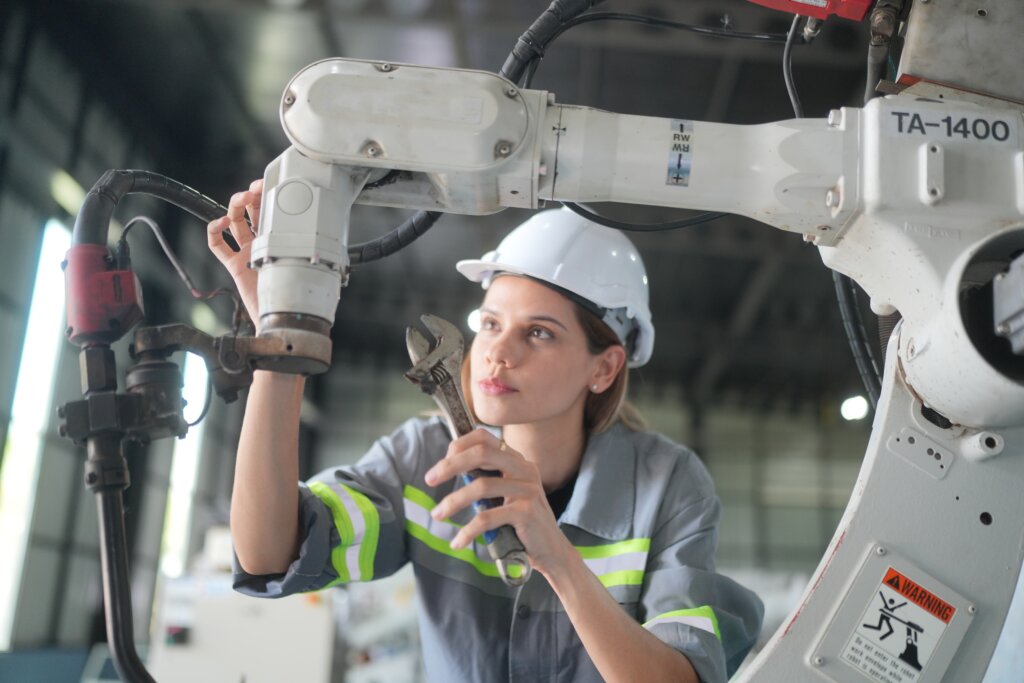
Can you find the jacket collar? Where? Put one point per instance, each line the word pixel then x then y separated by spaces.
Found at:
pixel 602 501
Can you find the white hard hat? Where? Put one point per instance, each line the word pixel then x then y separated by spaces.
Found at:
pixel 587 261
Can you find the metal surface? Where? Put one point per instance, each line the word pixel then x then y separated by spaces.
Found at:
pixel 437 370
pixel 963 44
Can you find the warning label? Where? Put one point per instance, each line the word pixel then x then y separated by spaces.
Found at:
pixel 899 630
pixel 680 156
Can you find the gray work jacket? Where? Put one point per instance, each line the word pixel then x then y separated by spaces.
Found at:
pixel 643 515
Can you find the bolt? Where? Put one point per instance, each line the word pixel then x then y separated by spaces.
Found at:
pixel 511 92
pixel 385 67
pixel 880 551
pixel 372 149
pixel 62 430
pixel 289 99
pixel 971 609
pixel 818 660
pixel 502 149
pixel 824 228
pixel 1000 276
pixel 811 239
pixel 835 117
pixel 1003 330
pixel 91 478
pixel 61 412
pixel 832 198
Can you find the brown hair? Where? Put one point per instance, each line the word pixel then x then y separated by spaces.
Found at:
pixel 602 410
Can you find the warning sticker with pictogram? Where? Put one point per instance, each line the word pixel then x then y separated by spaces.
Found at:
pixel 899 631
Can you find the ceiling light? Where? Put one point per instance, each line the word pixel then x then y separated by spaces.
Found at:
pixel 854 408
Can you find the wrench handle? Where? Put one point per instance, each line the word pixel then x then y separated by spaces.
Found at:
pixel 503 545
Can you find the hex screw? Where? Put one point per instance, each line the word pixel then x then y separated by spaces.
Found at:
pixel 511 92
pixel 818 660
pixel 880 551
pixel 832 199
pixel 971 609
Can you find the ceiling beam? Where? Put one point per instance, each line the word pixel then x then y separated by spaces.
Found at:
pixel 229 80
pixel 743 317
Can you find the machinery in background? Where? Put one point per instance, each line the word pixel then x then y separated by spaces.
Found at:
pixel 918 197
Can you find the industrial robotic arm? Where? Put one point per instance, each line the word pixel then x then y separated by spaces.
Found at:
pixel 918 197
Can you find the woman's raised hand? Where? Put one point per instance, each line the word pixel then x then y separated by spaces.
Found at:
pixel 237 262
pixel 525 507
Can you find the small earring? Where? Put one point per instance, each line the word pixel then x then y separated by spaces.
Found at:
pixel 594 388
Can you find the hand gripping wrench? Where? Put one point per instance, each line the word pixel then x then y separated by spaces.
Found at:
pixel 437 370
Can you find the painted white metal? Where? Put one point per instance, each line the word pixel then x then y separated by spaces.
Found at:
pixel 302 247
pixel 933 524
pixel 913 199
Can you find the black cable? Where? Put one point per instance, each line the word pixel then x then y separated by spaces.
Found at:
pixel 122 248
pixel 787 68
pixel 711 31
pixel 206 402
pixel 642 227
pixel 846 293
pixel 853 325
pixel 93 220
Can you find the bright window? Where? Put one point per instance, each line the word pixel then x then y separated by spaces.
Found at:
pixel 30 416
pixel 184 468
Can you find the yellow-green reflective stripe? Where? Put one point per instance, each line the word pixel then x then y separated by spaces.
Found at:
pixel 626 577
pixel 368 547
pixel 701 612
pixel 418 497
pixel 441 546
pixel 343 524
pixel 633 545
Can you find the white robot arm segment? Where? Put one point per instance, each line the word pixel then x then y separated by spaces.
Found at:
pixel 920 202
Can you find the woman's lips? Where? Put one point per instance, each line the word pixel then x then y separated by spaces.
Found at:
pixel 494 387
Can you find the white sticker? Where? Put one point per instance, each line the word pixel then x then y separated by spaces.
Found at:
pixel 814 3
pixel 951 125
pixel 899 631
pixel 680 157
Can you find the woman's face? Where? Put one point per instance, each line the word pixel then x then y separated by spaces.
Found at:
pixel 529 362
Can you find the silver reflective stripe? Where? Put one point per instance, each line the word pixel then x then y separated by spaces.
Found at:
pixel 355 516
pixel 616 563
pixel 702 618
pixel 703 623
pixel 444 530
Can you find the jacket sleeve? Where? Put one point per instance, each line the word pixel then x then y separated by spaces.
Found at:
pixel 710 618
pixel 351 521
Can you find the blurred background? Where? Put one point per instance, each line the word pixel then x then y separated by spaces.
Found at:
pixel 751 366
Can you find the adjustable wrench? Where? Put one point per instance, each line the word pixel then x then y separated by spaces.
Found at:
pixel 437 370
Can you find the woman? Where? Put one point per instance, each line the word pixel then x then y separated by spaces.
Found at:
pixel 619 524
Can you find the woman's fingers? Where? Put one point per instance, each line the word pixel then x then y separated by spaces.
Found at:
pixel 215 239
pixel 253 207
pixel 481 488
pixel 240 228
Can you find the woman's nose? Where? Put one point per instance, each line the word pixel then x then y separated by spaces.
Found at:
pixel 501 351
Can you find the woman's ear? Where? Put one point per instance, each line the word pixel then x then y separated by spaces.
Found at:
pixel 609 364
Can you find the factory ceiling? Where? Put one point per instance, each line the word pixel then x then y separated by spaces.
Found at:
pixel 744 313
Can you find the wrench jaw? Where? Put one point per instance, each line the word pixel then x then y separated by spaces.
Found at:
pixel 419 350
pixel 450 340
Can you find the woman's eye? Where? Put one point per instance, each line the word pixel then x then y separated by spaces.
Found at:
pixel 541 333
pixel 488 324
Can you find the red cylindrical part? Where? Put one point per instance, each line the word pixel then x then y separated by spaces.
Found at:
pixel 102 304
pixel 822 9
